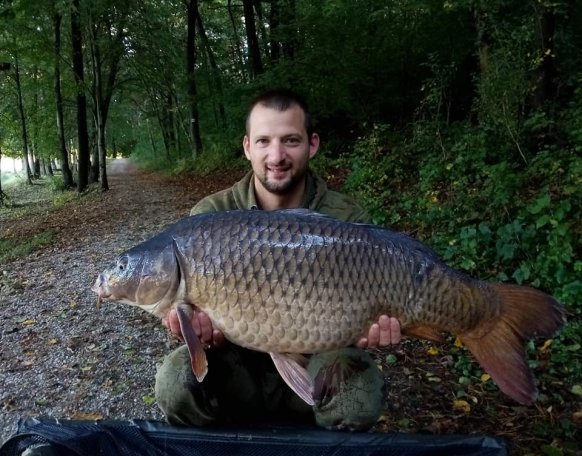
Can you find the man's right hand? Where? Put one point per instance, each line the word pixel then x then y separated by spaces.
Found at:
pixel 202 327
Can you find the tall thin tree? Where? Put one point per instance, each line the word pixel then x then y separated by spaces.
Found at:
pixel 78 70
pixel 191 56
pixel 63 153
pixel 24 130
pixel 255 61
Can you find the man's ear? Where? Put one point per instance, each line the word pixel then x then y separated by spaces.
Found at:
pixel 313 145
pixel 246 143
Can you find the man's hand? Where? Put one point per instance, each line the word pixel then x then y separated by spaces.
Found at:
pixel 385 332
pixel 200 323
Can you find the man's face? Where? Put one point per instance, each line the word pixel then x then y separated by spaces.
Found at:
pixel 278 147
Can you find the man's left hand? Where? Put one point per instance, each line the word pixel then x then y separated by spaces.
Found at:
pixel 381 334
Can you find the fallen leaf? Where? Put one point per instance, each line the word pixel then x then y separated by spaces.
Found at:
pixel 485 378
pixel 458 343
pixel 461 406
pixel 92 416
pixel 546 345
pixel 28 322
pixel 433 351
pixel 53 342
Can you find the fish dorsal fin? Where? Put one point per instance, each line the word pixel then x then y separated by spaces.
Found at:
pixel 294 374
pixel 305 213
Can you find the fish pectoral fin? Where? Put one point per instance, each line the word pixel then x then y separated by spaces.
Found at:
pixel 423 332
pixel 330 378
pixel 195 348
pixel 295 375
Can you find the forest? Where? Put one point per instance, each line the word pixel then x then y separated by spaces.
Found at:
pixel 456 121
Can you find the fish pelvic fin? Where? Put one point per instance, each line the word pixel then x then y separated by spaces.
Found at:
pixel 195 348
pixel 295 375
pixel 500 346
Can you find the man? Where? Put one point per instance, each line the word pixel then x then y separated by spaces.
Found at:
pixel 243 385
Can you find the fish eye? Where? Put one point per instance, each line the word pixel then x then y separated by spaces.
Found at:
pixel 122 263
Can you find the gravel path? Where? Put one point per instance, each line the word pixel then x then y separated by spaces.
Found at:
pixel 60 356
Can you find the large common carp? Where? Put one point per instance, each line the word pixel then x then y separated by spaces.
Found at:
pixel 294 281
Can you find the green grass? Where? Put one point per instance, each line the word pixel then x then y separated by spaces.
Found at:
pixel 9 250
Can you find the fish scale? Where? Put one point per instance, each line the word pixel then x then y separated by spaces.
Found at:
pixel 298 282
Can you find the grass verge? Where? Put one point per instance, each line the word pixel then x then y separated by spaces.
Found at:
pixel 11 249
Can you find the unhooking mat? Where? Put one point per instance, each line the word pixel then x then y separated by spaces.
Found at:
pixel 153 438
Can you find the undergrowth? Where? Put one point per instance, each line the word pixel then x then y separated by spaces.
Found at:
pixel 487 212
pixel 11 249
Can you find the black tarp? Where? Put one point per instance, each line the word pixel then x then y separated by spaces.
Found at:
pixel 152 438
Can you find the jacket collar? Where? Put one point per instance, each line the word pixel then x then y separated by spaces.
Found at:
pixel 245 198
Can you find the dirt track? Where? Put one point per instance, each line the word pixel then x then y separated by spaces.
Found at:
pixel 60 356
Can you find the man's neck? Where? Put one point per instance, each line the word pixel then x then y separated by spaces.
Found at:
pixel 271 201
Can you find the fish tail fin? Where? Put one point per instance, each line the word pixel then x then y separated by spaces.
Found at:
pixel 499 345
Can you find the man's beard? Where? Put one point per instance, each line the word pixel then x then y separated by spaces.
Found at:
pixel 285 186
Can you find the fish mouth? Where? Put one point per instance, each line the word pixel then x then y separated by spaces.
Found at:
pixel 100 289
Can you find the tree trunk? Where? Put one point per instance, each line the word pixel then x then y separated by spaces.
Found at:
pixel 264 38
pixel 77 47
pixel 289 41
pixel 482 41
pixel 191 56
pixel 255 63
pixel 215 70
pixel 94 151
pixel 102 94
pixel 545 75
pixel 98 167
pixel 63 153
pixel 36 162
pixel 2 194
pixel 20 103
pixel 274 21
pixel 237 44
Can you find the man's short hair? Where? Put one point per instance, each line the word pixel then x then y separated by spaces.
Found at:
pixel 281 100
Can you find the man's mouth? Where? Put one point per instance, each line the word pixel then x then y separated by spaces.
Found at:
pixel 278 171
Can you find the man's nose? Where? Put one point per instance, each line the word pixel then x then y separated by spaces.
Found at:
pixel 277 151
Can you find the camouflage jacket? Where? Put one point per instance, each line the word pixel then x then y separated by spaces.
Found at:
pixel 317 198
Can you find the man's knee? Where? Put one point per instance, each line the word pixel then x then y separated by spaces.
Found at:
pixel 179 395
pixel 349 389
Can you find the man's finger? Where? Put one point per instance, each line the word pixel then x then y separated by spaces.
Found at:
pixel 174 323
pixel 385 331
pixel 205 328
pixel 362 343
pixel 218 338
pixel 395 333
pixel 374 336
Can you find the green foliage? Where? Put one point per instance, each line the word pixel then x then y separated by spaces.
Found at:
pixel 9 250
pixel 491 218
pixel 57 184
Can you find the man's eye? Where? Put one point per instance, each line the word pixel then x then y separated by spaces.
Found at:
pixel 292 141
pixel 262 141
